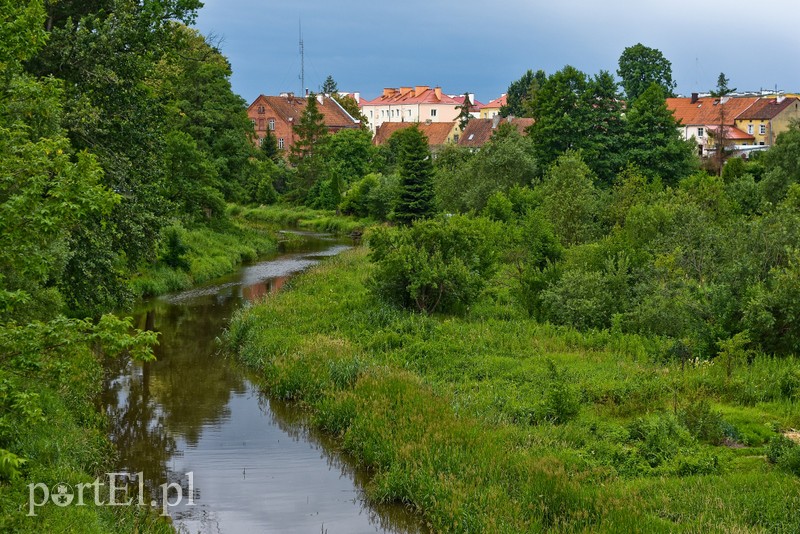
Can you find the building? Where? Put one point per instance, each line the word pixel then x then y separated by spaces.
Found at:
pixel 492 109
pixel 479 131
pixel 700 117
pixel 278 114
pixel 768 117
pixel 419 104
pixel 438 133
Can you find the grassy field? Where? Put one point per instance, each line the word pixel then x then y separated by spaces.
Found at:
pixel 491 422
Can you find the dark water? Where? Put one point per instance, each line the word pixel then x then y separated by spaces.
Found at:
pixel 255 464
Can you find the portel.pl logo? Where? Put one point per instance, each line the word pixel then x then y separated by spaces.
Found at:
pixel 119 493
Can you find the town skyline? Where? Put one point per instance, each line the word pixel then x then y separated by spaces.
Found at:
pixel 470 47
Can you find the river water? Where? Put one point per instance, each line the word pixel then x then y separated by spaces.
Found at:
pixel 255 464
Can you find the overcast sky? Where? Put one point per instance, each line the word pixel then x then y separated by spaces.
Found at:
pixel 480 47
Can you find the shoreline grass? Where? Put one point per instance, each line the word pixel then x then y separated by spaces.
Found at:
pixel 492 422
pixel 306 219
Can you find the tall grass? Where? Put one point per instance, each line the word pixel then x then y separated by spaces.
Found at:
pixel 491 422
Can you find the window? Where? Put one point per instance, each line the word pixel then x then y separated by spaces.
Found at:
pixel 700 132
pixel 260 110
pixel 280 143
pixel 408 112
pixel 762 129
pixel 260 141
pixel 370 114
pixel 260 124
pixel 433 113
pixel 750 129
pixel 272 124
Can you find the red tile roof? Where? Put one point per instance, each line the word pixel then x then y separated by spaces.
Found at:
pixel 436 132
pixel 497 102
pixel 421 94
pixel 291 107
pixel 706 111
pixel 479 131
pixel 766 109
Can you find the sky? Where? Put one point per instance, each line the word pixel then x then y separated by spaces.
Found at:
pixel 481 47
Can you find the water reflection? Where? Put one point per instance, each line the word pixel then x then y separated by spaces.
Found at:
pixel 257 466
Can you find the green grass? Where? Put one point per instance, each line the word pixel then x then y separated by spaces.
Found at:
pixel 305 218
pixel 212 252
pixel 491 422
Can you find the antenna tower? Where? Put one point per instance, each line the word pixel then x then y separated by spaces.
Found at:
pixel 302 62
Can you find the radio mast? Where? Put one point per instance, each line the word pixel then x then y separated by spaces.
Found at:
pixel 302 61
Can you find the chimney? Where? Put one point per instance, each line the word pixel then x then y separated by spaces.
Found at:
pixel 780 99
pixel 306 91
pixel 495 121
pixel 419 89
pixel 405 90
pixel 694 98
pixel 388 91
pixel 471 99
pixel 438 92
pixel 321 100
pixel 357 97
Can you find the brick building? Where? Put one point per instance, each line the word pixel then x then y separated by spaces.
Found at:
pixel 279 114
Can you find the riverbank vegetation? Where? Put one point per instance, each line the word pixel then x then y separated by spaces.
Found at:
pixel 491 420
pixel 552 338
pixel 121 144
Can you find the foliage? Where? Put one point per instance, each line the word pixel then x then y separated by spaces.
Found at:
pixel 569 200
pixel 416 173
pixel 640 67
pixel 435 265
pixel 652 141
pixel 521 92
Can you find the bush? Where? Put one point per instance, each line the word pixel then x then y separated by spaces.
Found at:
pixel 785 453
pixel 436 265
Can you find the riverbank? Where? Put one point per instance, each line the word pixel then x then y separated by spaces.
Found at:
pixel 492 422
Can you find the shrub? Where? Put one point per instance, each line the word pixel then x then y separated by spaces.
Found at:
pixel 436 265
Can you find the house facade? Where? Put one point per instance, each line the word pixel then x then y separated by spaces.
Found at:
pixel 700 118
pixel 278 115
pixel 768 117
pixel 419 104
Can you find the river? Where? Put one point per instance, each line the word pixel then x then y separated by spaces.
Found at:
pixel 197 419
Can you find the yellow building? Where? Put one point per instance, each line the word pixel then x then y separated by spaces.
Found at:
pixel 768 117
pixel 492 109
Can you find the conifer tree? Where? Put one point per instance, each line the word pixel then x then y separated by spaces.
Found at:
pixel 416 174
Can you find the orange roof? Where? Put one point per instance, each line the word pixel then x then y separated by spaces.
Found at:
pixel 290 108
pixel 479 131
pixel 436 132
pixel 497 102
pixel 709 110
pixel 421 94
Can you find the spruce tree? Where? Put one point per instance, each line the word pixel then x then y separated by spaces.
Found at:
pixel 416 175
pixel 306 154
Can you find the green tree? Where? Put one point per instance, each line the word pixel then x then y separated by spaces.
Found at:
pixel 521 92
pixel 269 148
pixel 329 86
pixel 641 66
pixel 416 173
pixel 652 141
pixel 558 108
pixel 464 115
pixel 306 154
pixel 570 201
pixel 351 106
pixel 781 165
pixel 603 126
